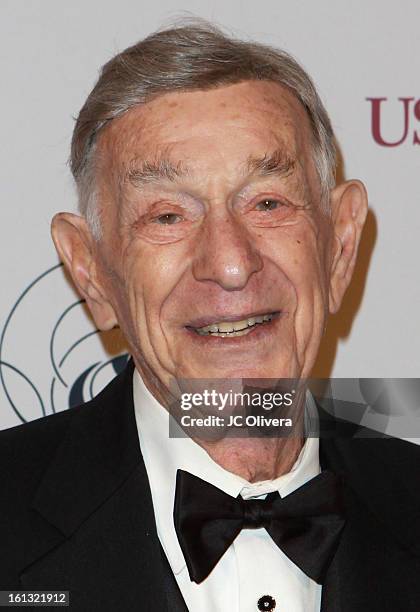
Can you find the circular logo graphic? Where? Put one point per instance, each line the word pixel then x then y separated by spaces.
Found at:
pixel 51 355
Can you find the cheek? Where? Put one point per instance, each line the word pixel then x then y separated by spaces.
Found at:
pixel 153 277
pixel 298 251
pixel 312 296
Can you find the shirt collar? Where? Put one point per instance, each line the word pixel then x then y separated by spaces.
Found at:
pixel 163 456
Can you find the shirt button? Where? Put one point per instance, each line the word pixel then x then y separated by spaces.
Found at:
pixel 267 603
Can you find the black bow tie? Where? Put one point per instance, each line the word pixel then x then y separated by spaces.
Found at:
pixel 306 524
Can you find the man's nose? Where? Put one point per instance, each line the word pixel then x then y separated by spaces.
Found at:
pixel 226 254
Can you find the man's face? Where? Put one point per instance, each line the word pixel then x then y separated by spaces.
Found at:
pixel 214 252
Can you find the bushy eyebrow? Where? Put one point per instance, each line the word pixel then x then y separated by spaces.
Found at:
pixel 277 163
pixel 154 171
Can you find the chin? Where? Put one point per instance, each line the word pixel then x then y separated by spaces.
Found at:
pixel 236 371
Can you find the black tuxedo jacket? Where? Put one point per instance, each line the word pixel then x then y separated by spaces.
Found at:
pixel 76 514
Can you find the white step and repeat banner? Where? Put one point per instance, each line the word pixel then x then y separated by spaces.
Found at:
pixel 365 60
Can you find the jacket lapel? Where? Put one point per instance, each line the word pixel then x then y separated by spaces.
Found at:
pixel 174 596
pixel 96 503
pixel 378 557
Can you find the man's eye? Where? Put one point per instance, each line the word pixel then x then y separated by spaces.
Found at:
pixel 267 205
pixel 168 219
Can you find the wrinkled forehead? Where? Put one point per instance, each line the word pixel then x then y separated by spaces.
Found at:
pixel 252 117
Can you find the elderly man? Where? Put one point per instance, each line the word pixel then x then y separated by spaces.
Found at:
pixel 212 232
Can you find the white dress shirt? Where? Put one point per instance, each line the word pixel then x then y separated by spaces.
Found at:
pixel 253 565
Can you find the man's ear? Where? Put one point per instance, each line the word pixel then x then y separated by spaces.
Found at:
pixel 75 246
pixel 349 205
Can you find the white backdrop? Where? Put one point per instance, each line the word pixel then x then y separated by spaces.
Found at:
pixel 50 55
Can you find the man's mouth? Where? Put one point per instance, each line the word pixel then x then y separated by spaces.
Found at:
pixel 232 329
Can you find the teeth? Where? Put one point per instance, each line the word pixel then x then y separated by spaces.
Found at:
pixel 240 325
pixel 233 334
pixel 225 326
pixel 233 328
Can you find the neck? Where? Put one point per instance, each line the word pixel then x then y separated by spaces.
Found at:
pixel 255 459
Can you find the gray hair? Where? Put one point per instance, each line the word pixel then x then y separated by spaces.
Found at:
pixel 190 56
